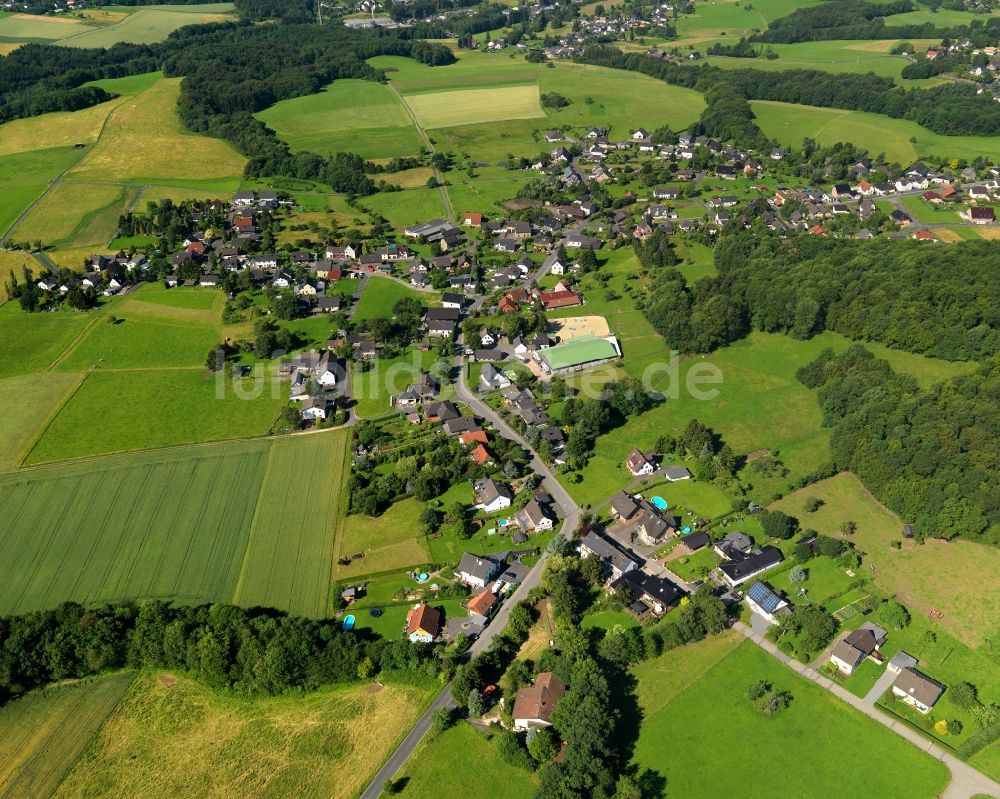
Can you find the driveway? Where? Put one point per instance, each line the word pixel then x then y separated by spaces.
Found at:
pixel 882 685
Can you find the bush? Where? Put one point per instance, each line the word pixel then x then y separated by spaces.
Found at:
pixel 813 504
pixel 963 695
pixel 893 614
pixel 765 699
pixel 778 525
pixel 512 751
pixel 803 553
pixel 442 719
pixel 954 727
pixel 798 575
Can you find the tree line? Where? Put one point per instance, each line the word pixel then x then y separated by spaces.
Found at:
pixel 951 109
pixel 935 301
pixel 252 651
pixel 930 455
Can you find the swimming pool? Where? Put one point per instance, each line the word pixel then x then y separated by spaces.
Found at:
pixel 349 621
pixel 659 502
pixel 503 522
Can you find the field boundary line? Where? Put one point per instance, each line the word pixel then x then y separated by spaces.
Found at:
pixel 75 343
pixel 245 560
pixel 338 524
pixel 26 450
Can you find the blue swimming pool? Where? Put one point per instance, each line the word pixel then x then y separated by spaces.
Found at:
pixel 349 621
pixel 659 502
pixel 503 522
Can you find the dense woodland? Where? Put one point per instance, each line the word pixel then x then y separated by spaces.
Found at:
pixel 932 456
pixel 256 651
pixel 938 301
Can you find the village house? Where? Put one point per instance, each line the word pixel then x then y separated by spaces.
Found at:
pixel 536 516
pixel 481 606
pixel 423 624
pixel 742 567
pixel 639 464
pixel 615 559
pixel 917 689
pixel 647 593
pixel 765 602
pixel 491 496
pixel 852 650
pixel 533 706
pixel 477 571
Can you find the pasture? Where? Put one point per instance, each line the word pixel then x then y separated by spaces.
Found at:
pixel 288 561
pixel 816 728
pixel 790 124
pixel 144 142
pixel 28 402
pixel 393 540
pixel 38 29
pixel 77 214
pixel 158 408
pixel 445 109
pixel 405 207
pixel 934 575
pixel 45 731
pixel 58 129
pixel 32 342
pixel 358 116
pixel 446 764
pixel 173 737
pixel 382 293
pixel 147 25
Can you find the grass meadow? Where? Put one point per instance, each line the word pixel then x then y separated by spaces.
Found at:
pixel 44 732
pixel 934 575
pixel 32 342
pixel 148 24
pixel 447 109
pixel 173 737
pixel 790 124
pixel 685 694
pixel 144 142
pixel 29 402
pixel 406 207
pixel 38 29
pixel 155 408
pixel 357 115
pixel 393 540
pixel 446 764
pixel 381 294
pixel 371 390
pixel 77 214
pixel 288 562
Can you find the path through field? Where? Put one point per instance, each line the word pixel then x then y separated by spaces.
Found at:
pixel 445 200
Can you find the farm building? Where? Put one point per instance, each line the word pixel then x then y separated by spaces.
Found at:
pixel 579 353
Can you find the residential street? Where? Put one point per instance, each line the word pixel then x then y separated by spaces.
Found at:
pixel 965 780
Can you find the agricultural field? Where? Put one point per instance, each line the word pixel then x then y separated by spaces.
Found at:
pixel 446 764
pixel 78 214
pixel 147 25
pixel 209 523
pixel 160 408
pixel 724 21
pixel 29 402
pixel 37 29
pixel 708 691
pixel 44 732
pixel 356 115
pixel 171 736
pixel 32 342
pixel 446 109
pixel 144 142
pixel 790 124
pixel 288 561
pixel 934 575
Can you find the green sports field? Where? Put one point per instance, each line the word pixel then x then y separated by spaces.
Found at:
pixel 43 733
pixel 790 124
pixel 250 522
pixel 680 706
pixel 578 351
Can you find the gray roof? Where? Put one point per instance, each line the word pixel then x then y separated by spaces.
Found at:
pixel 489 489
pixel 608 551
pixel 924 689
pixel 480 567
pixel 624 505
pixel 903 660
pixel 676 473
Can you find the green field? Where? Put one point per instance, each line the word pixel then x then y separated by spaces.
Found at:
pixel 150 24
pixel 445 109
pixel 120 411
pixel 248 522
pixel 77 214
pixel 679 708
pixel 32 342
pixel 43 30
pixel 44 732
pixel 449 763
pixel 790 124
pixel 381 294
pixel 393 540
pixel 406 207
pixel 28 402
pixel 356 115
pixel 371 390
pixel 288 559
pixel 172 737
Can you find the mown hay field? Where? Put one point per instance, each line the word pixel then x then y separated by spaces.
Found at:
pixel 445 109
pixel 289 556
pixel 44 30
pixel 144 141
pixel 172 737
pixel 44 732
pixel 77 214
pixel 148 25
pixel 28 401
pixel 32 342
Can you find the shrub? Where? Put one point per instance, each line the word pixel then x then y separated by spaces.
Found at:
pixel 798 575
pixel 963 695
pixel 813 504
pixel 954 727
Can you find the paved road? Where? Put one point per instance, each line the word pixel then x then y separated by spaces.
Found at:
pixel 571 515
pixel 965 780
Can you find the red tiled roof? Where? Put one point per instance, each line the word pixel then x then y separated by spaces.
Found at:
pixel 423 618
pixel 473 435
pixel 559 299
pixel 481 603
pixel 481 455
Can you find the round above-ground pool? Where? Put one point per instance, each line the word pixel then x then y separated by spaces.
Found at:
pixel 659 502
pixel 349 621
pixel 375 612
pixel 422 577
pixel 687 530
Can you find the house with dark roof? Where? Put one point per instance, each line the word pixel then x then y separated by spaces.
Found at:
pixel 741 567
pixel 858 645
pixel 537 516
pixel 917 689
pixel 767 603
pixel 640 465
pixel 675 473
pixel 491 496
pixel 695 541
pixel 623 506
pixel 477 571
pixel 615 559
pixel 648 593
pixel 533 705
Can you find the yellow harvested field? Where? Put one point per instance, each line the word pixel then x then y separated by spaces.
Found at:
pixel 171 737
pixel 99 16
pixel 947 235
pixel 59 129
pixel 144 139
pixel 9 47
pixel 885 45
pixel 935 575
pixel 13 262
pixel 576 326
pixel 46 20
pixel 73 257
pixel 988 233
pixel 77 214
pixel 409 178
pixel 475 106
